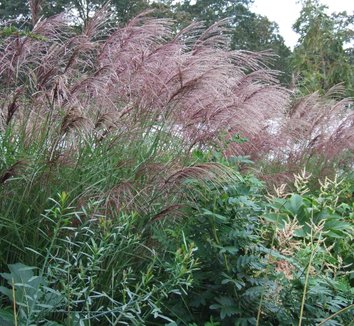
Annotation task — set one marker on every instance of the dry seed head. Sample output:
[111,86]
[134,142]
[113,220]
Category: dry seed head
[317,231]
[285,267]
[330,184]
[287,244]
[301,182]
[279,192]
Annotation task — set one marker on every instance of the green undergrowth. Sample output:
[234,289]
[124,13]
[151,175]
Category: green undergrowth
[142,233]
[283,259]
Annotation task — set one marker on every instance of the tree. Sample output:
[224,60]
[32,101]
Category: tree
[320,58]
[211,11]
[258,33]
[123,10]
[10,10]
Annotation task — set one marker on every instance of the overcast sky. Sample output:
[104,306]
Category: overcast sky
[285,13]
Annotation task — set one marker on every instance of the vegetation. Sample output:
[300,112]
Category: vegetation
[320,59]
[155,174]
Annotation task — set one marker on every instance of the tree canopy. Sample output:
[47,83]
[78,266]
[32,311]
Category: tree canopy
[124,10]
[320,58]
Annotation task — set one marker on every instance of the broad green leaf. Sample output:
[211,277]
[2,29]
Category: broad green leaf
[206,212]
[227,307]
[294,204]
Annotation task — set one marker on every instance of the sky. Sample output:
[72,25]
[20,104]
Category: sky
[285,13]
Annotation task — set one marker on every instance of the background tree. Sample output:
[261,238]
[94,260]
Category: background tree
[12,10]
[211,11]
[20,9]
[257,33]
[320,58]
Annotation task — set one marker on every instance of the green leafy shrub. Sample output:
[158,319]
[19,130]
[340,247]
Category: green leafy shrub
[315,230]
[232,275]
[283,260]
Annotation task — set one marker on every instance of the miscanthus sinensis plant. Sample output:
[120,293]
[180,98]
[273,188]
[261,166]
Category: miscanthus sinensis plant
[107,118]
[146,79]
[141,75]
[114,113]
[316,132]
[135,100]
